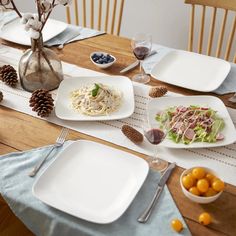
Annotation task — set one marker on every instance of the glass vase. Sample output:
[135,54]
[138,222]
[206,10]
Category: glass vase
[40,68]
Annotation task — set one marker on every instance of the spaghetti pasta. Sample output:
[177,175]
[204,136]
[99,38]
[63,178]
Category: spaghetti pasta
[96,99]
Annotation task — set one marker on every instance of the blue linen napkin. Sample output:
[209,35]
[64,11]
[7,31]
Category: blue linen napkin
[41,219]
[228,86]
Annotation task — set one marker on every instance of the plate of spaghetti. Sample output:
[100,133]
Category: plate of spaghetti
[95,98]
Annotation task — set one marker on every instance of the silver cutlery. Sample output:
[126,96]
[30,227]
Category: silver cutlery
[136,63]
[143,218]
[59,142]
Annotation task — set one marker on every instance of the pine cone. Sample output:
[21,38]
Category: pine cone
[1,96]
[8,75]
[42,102]
[134,135]
[157,91]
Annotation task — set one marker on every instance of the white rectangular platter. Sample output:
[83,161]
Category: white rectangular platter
[191,70]
[92,181]
[15,32]
[64,108]
[160,104]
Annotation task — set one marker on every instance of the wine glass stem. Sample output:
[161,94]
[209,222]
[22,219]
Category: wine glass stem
[141,67]
[155,158]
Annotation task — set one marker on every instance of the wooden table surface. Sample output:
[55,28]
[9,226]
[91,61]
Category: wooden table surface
[19,131]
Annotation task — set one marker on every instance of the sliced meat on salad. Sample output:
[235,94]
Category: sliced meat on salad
[191,124]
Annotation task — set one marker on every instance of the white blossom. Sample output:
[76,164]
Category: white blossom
[26,17]
[31,22]
[4,2]
[46,6]
[34,34]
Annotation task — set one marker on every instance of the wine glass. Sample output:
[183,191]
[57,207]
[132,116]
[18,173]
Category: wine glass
[155,133]
[141,44]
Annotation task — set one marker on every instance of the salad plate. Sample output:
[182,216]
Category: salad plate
[65,111]
[91,181]
[164,104]
[191,70]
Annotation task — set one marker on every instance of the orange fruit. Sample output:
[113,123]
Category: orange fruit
[194,190]
[205,218]
[210,192]
[210,177]
[202,185]
[218,185]
[187,181]
[176,225]
[198,172]
[194,179]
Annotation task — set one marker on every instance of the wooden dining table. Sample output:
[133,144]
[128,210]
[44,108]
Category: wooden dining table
[19,132]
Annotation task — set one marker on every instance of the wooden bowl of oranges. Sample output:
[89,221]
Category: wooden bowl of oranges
[201,184]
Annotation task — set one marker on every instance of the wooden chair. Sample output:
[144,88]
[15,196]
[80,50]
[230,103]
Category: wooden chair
[104,15]
[226,5]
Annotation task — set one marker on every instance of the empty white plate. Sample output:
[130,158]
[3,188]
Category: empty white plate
[191,70]
[63,107]
[15,32]
[92,181]
[160,104]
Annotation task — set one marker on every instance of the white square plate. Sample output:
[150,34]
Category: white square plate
[92,181]
[215,103]
[63,107]
[15,32]
[191,70]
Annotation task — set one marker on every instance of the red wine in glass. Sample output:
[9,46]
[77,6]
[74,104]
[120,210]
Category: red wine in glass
[155,136]
[141,45]
[141,52]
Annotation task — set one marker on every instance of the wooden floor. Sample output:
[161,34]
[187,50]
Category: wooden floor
[17,132]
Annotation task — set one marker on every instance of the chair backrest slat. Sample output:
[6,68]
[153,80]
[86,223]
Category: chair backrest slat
[235,58]
[68,18]
[76,12]
[100,15]
[120,16]
[230,40]
[212,30]
[108,14]
[191,29]
[222,33]
[225,4]
[201,35]
[217,6]
[92,14]
[113,17]
[84,13]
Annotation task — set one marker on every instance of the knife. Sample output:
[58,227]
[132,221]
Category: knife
[136,63]
[143,218]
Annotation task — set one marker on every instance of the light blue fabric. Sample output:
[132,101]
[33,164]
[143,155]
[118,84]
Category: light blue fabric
[228,86]
[43,220]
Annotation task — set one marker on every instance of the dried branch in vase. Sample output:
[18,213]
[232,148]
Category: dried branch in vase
[39,67]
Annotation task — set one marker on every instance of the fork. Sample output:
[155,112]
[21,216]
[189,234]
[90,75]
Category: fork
[59,142]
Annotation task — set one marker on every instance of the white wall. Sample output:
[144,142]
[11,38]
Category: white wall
[166,20]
